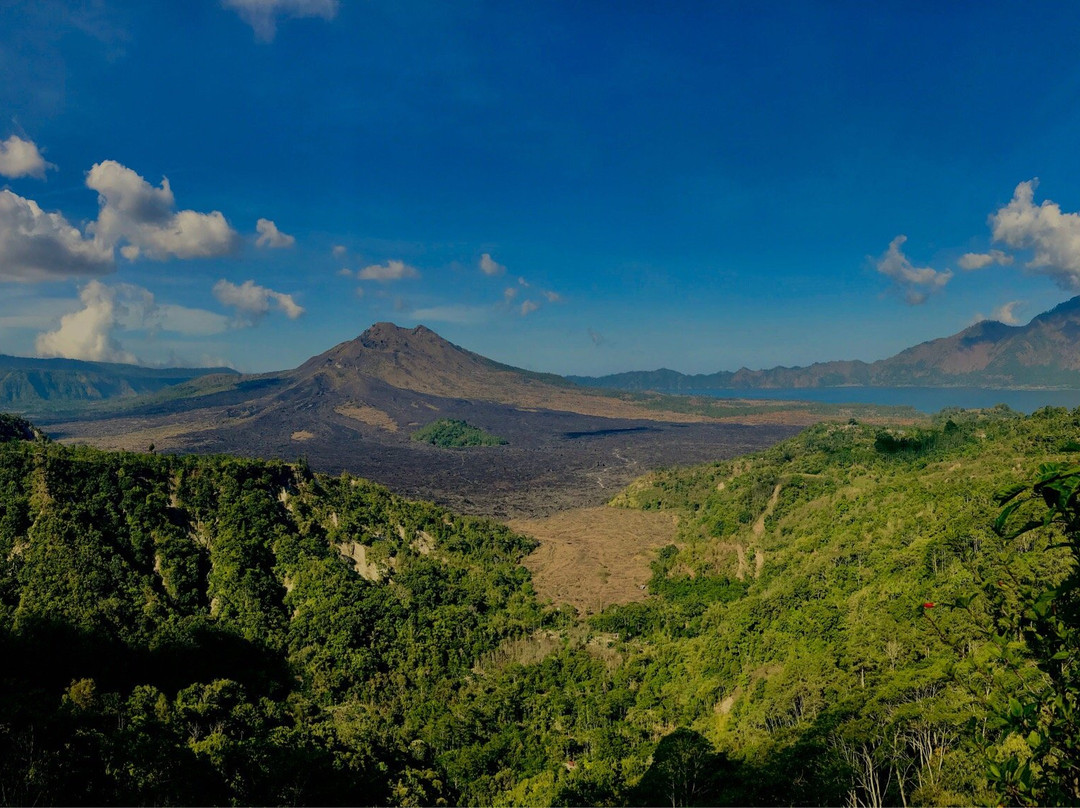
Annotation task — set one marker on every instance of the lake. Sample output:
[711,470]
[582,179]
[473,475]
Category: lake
[924,399]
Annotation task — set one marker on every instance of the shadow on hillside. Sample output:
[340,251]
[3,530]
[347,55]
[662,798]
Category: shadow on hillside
[48,654]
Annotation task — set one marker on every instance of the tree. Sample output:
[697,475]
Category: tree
[1039,720]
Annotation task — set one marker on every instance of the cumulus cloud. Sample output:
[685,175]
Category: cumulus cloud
[1006,312]
[339,250]
[915,283]
[509,293]
[253,302]
[1052,235]
[490,266]
[134,211]
[88,332]
[270,236]
[528,307]
[21,158]
[262,15]
[91,331]
[390,271]
[35,245]
[970,261]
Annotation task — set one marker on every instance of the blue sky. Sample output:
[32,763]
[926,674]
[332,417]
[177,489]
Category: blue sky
[570,187]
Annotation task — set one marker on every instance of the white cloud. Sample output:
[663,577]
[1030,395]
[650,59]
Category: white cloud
[134,211]
[339,250]
[970,261]
[509,293]
[523,282]
[390,271]
[253,302]
[462,315]
[21,158]
[527,307]
[270,236]
[345,272]
[553,297]
[262,15]
[88,332]
[490,267]
[35,245]
[1006,313]
[1054,236]
[916,283]
[187,321]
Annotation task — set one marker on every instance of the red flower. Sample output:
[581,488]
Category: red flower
[928,605]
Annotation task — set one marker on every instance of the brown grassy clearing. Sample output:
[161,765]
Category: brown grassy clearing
[366,414]
[594,557]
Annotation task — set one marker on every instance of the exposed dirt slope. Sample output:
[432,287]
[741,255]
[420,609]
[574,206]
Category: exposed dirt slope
[594,557]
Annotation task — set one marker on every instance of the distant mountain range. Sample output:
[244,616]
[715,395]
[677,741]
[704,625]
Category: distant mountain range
[34,384]
[1043,353]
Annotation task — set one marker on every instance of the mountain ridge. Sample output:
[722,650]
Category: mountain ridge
[31,382]
[1045,353]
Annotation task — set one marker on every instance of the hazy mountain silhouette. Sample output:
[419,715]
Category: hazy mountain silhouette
[1043,353]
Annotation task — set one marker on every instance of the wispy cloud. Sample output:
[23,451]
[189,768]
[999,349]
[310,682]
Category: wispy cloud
[262,15]
[458,314]
[390,271]
[972,261]
[528,307]
[916,284]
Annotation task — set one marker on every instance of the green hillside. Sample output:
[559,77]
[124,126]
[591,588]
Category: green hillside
[31,384]
[213,630]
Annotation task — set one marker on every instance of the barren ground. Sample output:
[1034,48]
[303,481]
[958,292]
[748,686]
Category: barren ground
[594,557]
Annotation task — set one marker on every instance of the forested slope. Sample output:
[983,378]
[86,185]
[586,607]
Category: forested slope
[210,630]
[790,627]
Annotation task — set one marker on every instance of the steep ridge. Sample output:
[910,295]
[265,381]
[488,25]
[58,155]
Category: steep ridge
[30,383]
[1043,353]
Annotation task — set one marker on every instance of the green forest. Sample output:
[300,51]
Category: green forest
[860,615]
[453,434]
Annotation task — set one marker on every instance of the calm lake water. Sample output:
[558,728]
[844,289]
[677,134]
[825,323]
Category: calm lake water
[924,399]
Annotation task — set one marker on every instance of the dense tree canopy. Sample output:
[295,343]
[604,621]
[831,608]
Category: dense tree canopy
[453,434]
[213,630]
